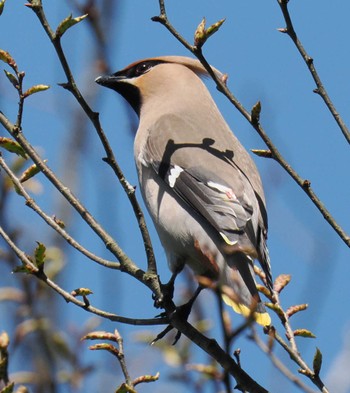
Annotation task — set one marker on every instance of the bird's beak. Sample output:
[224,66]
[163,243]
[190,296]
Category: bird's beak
[108,80]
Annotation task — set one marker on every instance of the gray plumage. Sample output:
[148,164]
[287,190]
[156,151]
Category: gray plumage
[201,187]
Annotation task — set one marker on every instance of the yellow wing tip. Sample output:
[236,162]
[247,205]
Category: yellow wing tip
[262,319]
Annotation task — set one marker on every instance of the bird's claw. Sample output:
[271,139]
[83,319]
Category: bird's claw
[167,291]
[183,312]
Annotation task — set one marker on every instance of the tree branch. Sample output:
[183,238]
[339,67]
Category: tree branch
[127,265]
[279,365]
[94,118]
[212,348]
[51,222]
[32,269]
[309,61]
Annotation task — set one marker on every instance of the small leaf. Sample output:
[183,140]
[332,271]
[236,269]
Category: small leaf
[214,27]
[255,113]
[281,282]
[30,172]
[39,255]
[259,272]
[24,269]
[67,23]
[276,308]
[81,292]
[2,3]
[262,153]
[35,89]
[20,269]
[303,333]
[12,79]
[146,379]
[202,34]
[100,335]
[199,34]
[7,58]
[262,289]
[8,388]
[59,222]
[294,309]
[317,362]
[33,4]
[12,146]
[107,347]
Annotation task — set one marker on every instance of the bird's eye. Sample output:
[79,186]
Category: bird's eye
[142,68]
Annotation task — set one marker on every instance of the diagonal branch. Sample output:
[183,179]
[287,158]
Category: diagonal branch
[279,365]
[69,298]
[245,382]
[52,223]
[127,265]
[94,118]
[309,61]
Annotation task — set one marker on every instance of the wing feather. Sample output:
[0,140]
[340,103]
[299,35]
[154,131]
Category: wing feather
[204,174]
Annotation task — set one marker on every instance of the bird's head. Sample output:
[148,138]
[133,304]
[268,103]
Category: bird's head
[157,76]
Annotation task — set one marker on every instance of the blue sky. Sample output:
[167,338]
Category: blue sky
[262,64]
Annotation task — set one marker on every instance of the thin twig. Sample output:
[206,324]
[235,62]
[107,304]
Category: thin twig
[121,357]
[290,334]
[212,348]
[127,264]
[30,202]
[309,61]
[279,365]
[70,298]
[276,155]
[295,356]
[292,348]
[94,118]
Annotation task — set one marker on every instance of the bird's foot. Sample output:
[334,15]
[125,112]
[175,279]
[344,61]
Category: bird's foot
[167,290]
[182,312]
[167,294]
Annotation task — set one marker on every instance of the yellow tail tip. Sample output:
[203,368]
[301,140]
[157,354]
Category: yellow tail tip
[262,319]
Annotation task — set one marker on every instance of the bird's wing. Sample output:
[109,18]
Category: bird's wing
[203,173]
[210,196]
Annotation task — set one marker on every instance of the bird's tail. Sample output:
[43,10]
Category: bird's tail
[241,293]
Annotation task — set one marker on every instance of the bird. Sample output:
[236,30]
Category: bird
[200,185]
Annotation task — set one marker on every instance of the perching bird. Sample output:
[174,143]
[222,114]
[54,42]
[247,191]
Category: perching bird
[201,187]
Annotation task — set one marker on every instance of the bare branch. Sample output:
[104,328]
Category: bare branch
[279,365]
[127,264]
[292,348]
[211,347]
[52,223]
[94,118]
[70,298]
[309,61]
